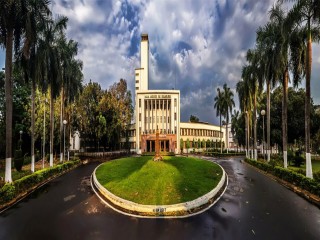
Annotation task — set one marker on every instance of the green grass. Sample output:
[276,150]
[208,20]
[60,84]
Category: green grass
[315,166]
[173,180]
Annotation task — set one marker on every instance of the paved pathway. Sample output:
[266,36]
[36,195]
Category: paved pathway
[253,207]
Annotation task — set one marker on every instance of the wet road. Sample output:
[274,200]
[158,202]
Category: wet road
[253,207]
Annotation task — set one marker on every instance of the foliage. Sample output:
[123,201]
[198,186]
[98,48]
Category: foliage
[12,190]
[293,177]
[193,119]
[173,180]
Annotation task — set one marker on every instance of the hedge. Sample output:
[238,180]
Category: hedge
[293,177]
[11,190]
[218,154]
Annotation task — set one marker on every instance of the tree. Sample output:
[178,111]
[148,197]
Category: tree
[181,145]
[228,104]
[218,105]
[49,62]
[193,119]
[188,145]
[307,13]
[14,22]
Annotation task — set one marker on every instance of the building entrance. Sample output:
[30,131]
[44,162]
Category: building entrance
[163,144]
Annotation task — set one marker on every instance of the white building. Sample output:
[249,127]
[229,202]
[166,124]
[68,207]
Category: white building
[160,109]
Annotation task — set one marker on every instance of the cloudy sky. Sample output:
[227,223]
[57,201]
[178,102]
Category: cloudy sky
[195,46]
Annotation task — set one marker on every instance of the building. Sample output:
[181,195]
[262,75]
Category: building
[160,109]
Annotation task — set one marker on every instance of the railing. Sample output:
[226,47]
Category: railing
[102,155]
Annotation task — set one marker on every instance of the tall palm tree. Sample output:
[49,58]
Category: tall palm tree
[283,27]
[49,62]
[219,106]
[266,44]
[228,104]
[68,50]
[252,72]
[307,13]
[14,23]
[245,101]
[28,55]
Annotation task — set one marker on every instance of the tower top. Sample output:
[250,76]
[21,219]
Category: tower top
[144,37]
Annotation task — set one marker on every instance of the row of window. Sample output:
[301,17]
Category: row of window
[200,132]
[157,104]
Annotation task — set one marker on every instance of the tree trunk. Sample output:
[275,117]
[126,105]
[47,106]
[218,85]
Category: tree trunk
[51,126]
[8,94]
[268,120]
[255,125]
[33,89]
[220,136]
[227,133]
[61,123]
[285,117]
[307,105]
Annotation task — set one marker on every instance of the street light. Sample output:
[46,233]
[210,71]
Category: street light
[64,137]
[263,112]
[20,138]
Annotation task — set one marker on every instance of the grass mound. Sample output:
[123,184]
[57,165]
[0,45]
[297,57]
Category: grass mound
[173,180]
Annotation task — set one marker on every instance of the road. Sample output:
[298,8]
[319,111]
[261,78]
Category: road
[253,207]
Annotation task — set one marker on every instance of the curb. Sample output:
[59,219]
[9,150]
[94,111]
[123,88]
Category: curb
[180,210]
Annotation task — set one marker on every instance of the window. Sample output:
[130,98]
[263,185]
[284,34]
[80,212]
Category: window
[175,102]
[137,81]
[139,102]
[137,74]
[139,116]
[175,116]
[137,88]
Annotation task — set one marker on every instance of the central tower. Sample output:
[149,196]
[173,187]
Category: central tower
[142,73]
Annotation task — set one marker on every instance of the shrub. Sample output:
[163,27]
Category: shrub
[316,176]
[7,192]
[18,160]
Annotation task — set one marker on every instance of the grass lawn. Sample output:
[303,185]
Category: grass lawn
[173,180]
[315,166]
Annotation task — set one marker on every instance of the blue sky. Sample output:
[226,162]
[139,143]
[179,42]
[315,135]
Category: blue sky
[195,46]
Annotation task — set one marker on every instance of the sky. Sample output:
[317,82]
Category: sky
[195,46]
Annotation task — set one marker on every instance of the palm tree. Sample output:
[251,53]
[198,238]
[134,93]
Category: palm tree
[252,73]
[228,104]
[283,27]
[218,105]
[268,49]
[307,13]
[28,59]
[14,23]
[68,50]
[245,100]
[49,62]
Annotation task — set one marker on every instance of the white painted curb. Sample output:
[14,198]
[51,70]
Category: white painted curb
[180,210]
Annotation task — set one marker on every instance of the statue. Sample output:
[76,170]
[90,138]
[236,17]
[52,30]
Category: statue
[157,156]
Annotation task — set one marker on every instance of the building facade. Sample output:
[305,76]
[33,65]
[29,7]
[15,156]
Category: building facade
[160,109]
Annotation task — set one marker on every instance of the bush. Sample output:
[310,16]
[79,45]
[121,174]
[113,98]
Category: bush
[18,160]
[316,176]
[24,184]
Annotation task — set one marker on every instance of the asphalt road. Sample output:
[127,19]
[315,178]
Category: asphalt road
[253,207]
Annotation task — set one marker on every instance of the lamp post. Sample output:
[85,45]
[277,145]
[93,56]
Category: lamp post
[20,138]
[64,137]
[263,112]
